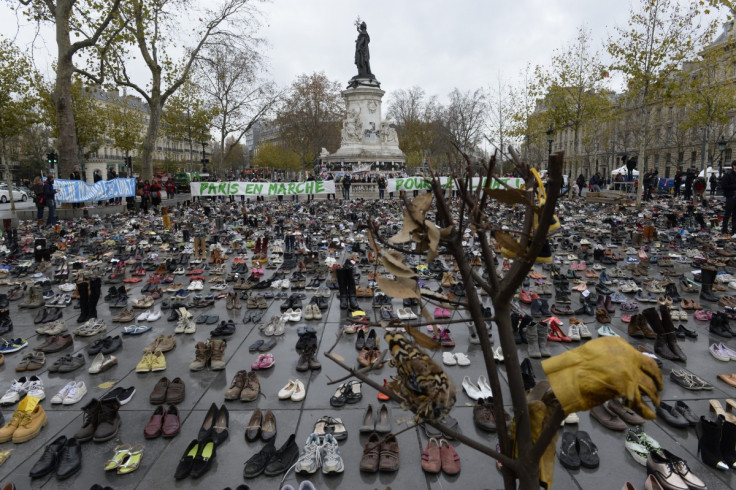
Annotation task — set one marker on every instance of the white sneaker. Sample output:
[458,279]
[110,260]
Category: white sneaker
[61,395]
[574,333]
[584,332]
[78,390]
[154,315]
[143,317]
[331,459]
[34,388]
[15,392]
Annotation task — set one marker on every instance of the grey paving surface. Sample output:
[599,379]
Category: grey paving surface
[206,387]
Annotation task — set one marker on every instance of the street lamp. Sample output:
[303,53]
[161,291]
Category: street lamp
[550,138]
[204,160]
[721,148]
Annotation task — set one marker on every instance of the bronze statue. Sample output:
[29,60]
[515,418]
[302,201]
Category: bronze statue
[362,54]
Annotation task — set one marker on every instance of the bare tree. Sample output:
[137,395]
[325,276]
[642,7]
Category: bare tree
[153,27]
[500,112]
[465,117]
[233,80]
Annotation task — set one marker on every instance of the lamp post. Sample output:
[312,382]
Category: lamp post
[550,138]
[721,148]
[204,160]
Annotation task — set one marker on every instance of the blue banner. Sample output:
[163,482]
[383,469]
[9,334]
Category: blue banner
[80,191]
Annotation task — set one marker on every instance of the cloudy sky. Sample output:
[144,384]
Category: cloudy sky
[435,44]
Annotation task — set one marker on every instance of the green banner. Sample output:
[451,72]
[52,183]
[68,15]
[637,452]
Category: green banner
[262,188]
[419,183]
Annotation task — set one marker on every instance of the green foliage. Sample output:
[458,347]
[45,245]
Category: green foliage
[418,126]
[18,95]
[187,115]
[270,155]
[125,123]
[309,118]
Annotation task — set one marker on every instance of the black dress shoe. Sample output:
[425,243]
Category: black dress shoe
[96,346]
[257,463]
[221,427]
[70,459]
[360,340]
[49,458]
[209,422]
[671,416]
[283,458]
[253,430]
[527,374]
[204,458]
[687,414]
[184,468]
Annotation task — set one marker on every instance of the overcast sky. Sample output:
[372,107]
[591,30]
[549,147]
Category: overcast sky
[435,44]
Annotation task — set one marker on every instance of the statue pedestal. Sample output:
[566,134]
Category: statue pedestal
[367,144]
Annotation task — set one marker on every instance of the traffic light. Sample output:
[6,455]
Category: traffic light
[52,158]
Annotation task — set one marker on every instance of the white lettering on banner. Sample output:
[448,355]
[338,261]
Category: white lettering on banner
[262,188]
[420,183]
[80,191]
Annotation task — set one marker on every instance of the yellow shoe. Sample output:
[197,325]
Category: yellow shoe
[145,365]
[158,361]
[6,433]
[30,425]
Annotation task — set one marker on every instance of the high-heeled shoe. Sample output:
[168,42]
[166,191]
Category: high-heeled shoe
[709,442]
[220,428]
[209,422]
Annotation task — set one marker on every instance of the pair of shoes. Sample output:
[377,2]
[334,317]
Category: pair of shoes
[577,449]
[671,472]
[216,425]
[126,459]
[31,362]
[21,387]
[380,454]
[476,392]
[107,345]
[163,422]
[122,395]
[151,362]
[245,387]
[70,394]
[349,392]
[440,456]
[102,363]
[261,426]
[320,451]
[271,461]
[163,343]
[167,392]
[26,423]
[100,421]
[197,459]
[380,423]
[483,415]
[294,391]
[63,457]
[211,352]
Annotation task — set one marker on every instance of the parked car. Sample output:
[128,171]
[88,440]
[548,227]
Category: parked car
[18,195]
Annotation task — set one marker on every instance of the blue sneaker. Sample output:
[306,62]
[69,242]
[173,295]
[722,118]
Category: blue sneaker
[12,345]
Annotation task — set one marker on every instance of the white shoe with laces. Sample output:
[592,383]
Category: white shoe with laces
[77,391]
[584,332]
[331,459]
[61,395]
[309,459]
[34,388]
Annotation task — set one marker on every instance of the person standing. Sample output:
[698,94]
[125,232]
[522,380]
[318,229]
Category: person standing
[49,197]
[689,179]
[346,181]
[381,186]
[728,185]
[713,184]
[96,177]
[678,182]
[331,177]
[156,195]
[580,181]
[111,174]
[40,200]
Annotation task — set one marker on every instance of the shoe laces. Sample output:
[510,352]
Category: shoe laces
[330,453]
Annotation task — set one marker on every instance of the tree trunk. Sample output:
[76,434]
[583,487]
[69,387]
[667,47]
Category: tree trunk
[149,143]
[62,96]
[8,178]
[640,167]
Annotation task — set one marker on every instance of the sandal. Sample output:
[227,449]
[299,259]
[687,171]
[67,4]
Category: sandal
[132,461]
[121,452]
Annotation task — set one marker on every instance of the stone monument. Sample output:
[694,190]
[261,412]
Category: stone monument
[367,143]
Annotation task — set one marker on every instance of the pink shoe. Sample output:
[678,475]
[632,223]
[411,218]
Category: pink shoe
[438,313]
[702,315]
[264,361]
[445,338]
[446,313]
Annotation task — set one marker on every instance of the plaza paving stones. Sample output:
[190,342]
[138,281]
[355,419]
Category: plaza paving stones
[203,388]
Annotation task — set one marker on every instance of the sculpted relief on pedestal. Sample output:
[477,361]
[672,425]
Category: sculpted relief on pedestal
[352,128]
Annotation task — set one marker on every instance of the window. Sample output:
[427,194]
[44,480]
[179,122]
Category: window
[726,156]
[681,157]
[693,157]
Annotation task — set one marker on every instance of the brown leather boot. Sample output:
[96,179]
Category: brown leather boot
[217,359]
[635,328]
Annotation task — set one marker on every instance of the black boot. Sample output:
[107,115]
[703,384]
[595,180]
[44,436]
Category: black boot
[122,296]
[728,444]
[112,295]
[709,442]
[352,295]
[671,335]
[95,289]
[671,291]
[185,236]
[6,324]
[707,277]
[83,288]
[661,346]
[342,283]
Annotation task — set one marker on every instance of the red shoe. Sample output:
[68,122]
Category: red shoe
[558,332]
[524,297]
[381,396]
